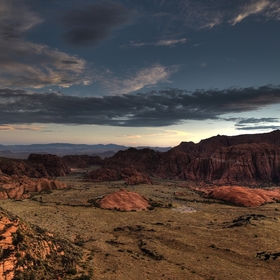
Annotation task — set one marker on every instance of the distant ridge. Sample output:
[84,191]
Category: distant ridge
[62,149]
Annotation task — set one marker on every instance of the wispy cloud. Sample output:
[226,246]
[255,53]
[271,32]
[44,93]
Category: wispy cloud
[21,127]
[256,7]
[153,109]
[144,77]
[160,43]
[210,13]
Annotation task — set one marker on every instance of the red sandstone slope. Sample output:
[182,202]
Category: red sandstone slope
[124,200]
[244,196]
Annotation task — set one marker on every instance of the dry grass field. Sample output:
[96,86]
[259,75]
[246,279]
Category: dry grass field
[190,238]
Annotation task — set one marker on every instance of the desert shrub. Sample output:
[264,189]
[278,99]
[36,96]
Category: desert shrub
[83,277]
[17,237]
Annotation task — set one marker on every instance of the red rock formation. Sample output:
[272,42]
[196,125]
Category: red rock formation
[104,174]
[20,168]
[124,200]
[246,164]
[16,187]
[130,175]
[24,251]
[8,259]
[81,161]
[134,177]
[243,196]
[52,163]
[143,160]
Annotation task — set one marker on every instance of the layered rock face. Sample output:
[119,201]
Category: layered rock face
[52,163]
[247,164]
[222,160]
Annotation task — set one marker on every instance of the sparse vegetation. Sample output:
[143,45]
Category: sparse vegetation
[165,241]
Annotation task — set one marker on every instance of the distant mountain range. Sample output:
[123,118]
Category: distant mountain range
[62,149]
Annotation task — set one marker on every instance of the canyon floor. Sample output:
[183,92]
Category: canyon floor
[185,236]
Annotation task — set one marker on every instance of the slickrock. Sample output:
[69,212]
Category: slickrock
[243,196]
[124,200]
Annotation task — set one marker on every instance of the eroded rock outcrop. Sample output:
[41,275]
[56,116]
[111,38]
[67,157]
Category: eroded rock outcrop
[20,187]
[124,200]
[28,252]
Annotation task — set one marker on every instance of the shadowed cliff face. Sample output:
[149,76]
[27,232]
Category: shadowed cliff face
[130,175]
[52,163]
[81,161]
[36,166]
[222,160]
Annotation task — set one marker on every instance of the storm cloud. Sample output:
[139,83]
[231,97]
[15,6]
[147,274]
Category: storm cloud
[156,108]
[93,23]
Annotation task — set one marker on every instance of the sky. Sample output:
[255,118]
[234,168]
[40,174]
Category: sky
[137,73]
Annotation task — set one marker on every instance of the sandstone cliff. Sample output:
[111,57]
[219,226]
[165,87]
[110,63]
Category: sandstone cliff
[222,160]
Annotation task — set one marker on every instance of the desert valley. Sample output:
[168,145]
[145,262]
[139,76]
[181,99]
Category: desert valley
[195,211]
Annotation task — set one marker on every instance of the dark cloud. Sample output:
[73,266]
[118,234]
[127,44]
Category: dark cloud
[162,108]
[260,127]
[257,120]
[93,23]
[255,123]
